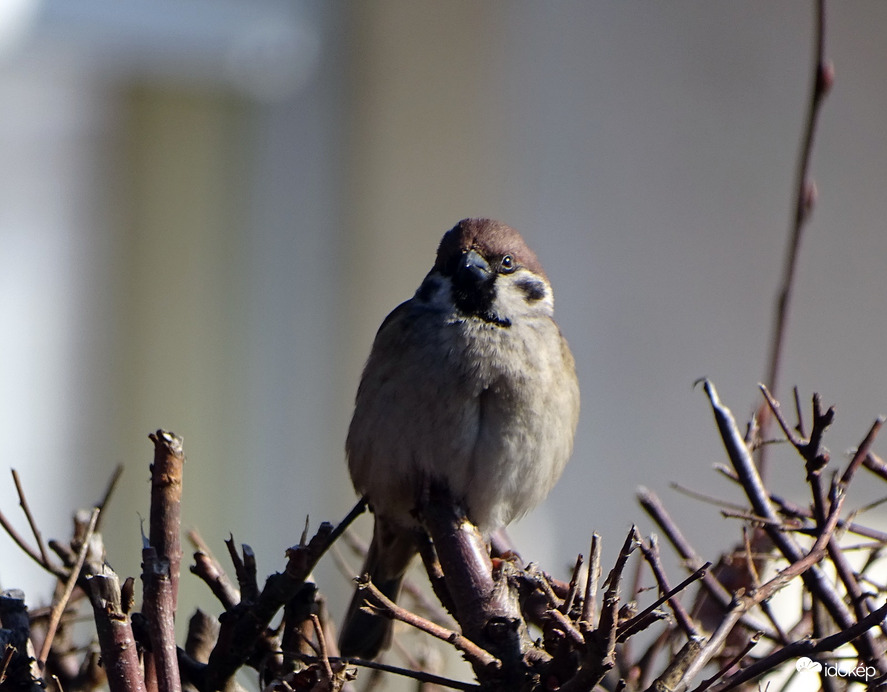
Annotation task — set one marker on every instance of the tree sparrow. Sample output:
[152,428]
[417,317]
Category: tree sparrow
[469,384]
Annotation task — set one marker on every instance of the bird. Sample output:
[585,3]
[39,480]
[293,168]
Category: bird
[469,385]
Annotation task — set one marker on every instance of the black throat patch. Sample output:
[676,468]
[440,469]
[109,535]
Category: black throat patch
[475,299]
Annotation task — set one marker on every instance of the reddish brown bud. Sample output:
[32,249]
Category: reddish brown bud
[826,77]
[810,195]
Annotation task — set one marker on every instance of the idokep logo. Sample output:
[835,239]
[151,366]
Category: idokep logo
[805,664]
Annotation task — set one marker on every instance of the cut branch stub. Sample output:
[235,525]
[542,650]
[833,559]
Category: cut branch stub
[166,501]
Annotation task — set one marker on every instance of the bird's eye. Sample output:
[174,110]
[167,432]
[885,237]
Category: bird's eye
[507,265]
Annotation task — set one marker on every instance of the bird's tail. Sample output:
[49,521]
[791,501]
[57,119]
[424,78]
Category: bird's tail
[364,634]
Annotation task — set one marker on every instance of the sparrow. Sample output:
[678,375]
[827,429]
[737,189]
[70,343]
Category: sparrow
[469,385]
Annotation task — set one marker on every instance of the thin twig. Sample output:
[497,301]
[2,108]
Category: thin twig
[210,570]
[804,199]
[478,657]
[876,465]
[567,605]
[106,496]
[59,608]
[792,510]
[677,673]
[805,647]
[862,452]
[599,656]
[708,499]
[816,581]
[17,538]
[323,654]
[628,628]
[810,449]
[247,625]
[573,634]
[800,415]
[420,676]
[745,602]
[358,509]
[651,553]
[23,502]
[762,521]
[705,684]
[750,558]
[654,507]
[535,576]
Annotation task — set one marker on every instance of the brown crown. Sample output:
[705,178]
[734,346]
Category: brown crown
[491,239]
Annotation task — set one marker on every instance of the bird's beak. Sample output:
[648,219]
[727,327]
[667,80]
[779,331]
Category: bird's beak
[473,269]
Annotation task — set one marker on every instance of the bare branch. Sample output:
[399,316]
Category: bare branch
[70,583]
[166,501]
[17,538]
[106,496]
[862,452]
[651,553]
[23,503]
[119,654]
[567,605]
[159,610]
[210,571]
[600,646]
[478,657]
[804,647]
[242,630]
[420,676]
[804,199]
[816,581]
[591,585]
[654,507]
[705,684]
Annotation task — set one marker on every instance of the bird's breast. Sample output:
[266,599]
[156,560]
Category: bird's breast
[478,407]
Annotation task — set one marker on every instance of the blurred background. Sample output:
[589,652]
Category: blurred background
[207,207]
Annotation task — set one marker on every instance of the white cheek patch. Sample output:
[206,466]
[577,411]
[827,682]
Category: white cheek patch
[523,294]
